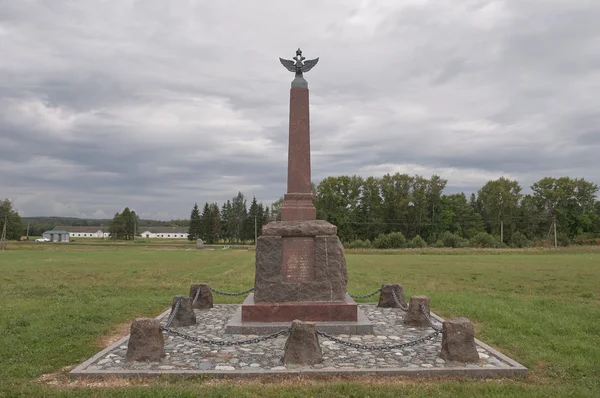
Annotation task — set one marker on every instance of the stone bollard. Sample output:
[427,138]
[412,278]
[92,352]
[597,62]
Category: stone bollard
[386,299]
[185,315]
[146,342]
[199,244]
[205,299]
[302,346]
[458,341]
[414,316]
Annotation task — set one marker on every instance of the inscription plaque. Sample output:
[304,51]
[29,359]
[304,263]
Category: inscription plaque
[298,260]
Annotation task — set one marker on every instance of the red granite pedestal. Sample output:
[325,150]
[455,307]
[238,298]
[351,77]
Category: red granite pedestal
[346,310]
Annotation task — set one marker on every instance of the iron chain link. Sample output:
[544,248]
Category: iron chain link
[196,296]
[172,314]
[356,296]
[224,342]
[379,347]
[397,300]
[231,294]
[433,326]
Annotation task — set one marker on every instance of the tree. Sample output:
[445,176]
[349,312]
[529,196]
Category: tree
[338,200]
[123,225]
[226,233]
[117,228]
[456,215]
[206,231]
[194,229]
[571,202]
[215,217]
[130,219]
[236,217]
[250,221]
[14,225]
[500,201]
[276,211]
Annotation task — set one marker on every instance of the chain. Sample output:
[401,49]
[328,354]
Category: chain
[433,326]
[397,300]
[172,314]
[379,347]
[226,343]
[231,294]
[196,296]
[356,296]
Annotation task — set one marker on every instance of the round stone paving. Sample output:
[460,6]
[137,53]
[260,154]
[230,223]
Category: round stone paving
[182,354]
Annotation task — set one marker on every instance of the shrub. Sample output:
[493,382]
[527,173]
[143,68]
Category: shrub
[417,242]
[438,244]
[519,239]
[452,240]
[382,242]
[358,244]
[486,240]
[396,240]
[563,240]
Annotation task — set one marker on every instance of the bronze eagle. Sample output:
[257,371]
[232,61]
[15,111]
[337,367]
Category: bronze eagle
[297,63]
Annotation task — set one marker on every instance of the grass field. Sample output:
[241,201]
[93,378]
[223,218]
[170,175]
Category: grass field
[59,304]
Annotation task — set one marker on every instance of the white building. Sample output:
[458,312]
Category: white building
[143,232]
[85,232]
[164,232]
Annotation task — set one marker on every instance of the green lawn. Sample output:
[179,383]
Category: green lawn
[540,307]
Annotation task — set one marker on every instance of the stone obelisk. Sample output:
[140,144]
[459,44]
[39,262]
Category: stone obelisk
[300,265]
[298,201]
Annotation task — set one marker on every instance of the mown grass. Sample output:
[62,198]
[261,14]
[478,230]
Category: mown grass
[541,307]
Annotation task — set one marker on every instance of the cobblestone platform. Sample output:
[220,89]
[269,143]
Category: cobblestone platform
[184,357]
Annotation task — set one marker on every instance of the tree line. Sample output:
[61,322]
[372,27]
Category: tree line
[365,209]
[232,222]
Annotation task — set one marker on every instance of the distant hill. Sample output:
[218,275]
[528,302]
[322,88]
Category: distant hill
[37,225]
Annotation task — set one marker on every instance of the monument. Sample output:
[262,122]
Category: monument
[300,266]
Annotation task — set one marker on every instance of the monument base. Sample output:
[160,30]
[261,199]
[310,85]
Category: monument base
[298,207]
[360,326]
[346,310]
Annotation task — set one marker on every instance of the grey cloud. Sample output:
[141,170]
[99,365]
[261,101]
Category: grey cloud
[156,104]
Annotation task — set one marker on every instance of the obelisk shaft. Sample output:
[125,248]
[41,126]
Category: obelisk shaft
[297,203]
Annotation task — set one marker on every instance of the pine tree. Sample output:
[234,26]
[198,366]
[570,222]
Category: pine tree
[260,219]
[226,232]
[250,220]
[206,225]
[215,217]
[195,223]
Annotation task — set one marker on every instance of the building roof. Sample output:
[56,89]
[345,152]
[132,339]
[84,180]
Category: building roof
[164,230]
[56,231]
[88,229]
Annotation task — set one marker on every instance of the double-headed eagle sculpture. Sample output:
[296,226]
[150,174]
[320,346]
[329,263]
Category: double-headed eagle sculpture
[297,64]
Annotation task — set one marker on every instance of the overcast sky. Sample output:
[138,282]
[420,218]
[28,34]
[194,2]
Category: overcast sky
[156,104]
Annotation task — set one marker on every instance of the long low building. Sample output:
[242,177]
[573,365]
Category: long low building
[143,232]
[164,232]
[85,232]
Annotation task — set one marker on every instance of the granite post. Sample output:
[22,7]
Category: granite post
[146,342]
[302,346]
[386,298]
[205,296]
[185,315]
[458,341]
[414,316]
